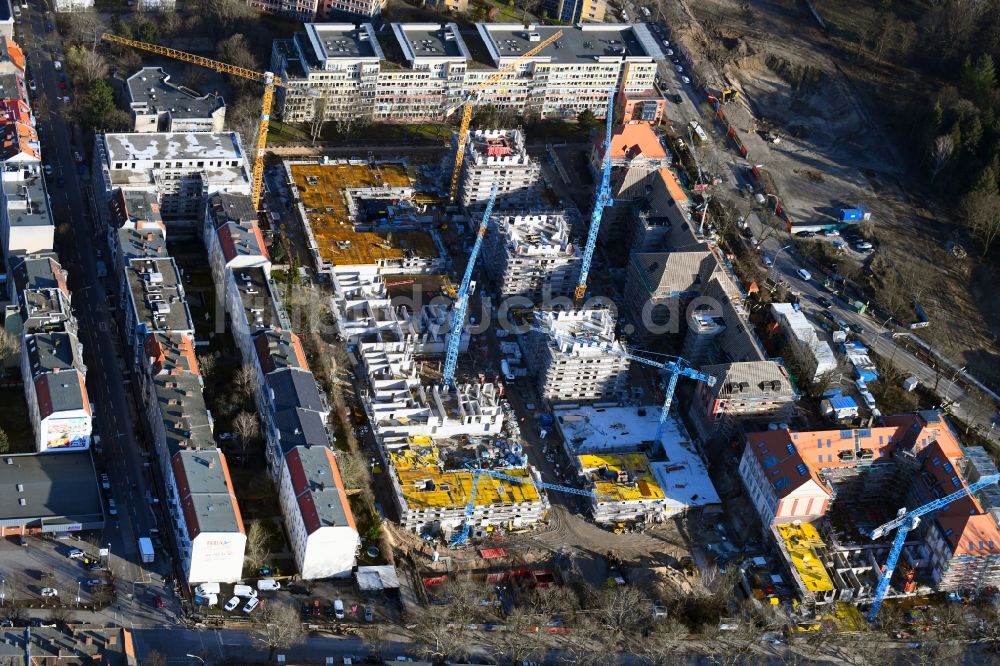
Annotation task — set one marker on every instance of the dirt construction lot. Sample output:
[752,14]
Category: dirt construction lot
[833,154]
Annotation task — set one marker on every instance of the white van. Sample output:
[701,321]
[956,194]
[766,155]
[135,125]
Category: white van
[57,65]
[206,589]
[268,584]
[244,591]
[338,609]
[804,274]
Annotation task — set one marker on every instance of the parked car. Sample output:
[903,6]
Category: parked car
[94,582]
[50,592]
[251,605]
[806,234]
[679,68]
[685,79]
[158,601]
[105,479]
[317,608]
[858,329]
[863,246]
[232,604]
[112,508]
[831,232]
[824,301]
[95,566]
[369,614]
[804,274]
[75,554]
[338,608]
[297,589]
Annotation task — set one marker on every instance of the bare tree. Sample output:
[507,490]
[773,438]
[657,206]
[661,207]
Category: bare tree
[243,116]
[622,610]
[277,626]
[354,471]
[941,152]
[245,380]
[981,213]
[81,27]
[235,50]
[521,639]
[441,637]
[206,363]
[86,66]
[666,640]
[257,549]
[246,428]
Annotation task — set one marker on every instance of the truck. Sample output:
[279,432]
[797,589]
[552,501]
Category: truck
[146,549]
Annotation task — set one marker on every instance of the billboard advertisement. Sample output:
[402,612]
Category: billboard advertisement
[68,433]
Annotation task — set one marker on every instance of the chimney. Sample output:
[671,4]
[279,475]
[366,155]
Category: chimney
[88,639]
[112,639]
[211,463]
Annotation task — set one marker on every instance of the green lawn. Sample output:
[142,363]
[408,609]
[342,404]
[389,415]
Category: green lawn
[15,422]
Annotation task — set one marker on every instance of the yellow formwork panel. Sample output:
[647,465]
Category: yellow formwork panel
[799,542]
[426,486]
[641,486]
[322,191]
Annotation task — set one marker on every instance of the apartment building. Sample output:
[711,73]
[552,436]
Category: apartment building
[637,155]
[797,477]
[421,72]
[498,159]
[180,168]
[454,6]
[531,256]
[816,357]
[572,12]
[309,10]
[659,286]
[157,105]
[744,391]
[321,527]
[566,370]
[135,229]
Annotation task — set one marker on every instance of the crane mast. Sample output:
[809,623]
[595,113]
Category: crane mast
[601,200]
[462,304]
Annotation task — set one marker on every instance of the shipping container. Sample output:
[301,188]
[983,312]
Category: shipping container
[851,214]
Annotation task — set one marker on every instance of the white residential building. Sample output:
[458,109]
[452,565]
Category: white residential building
[531,256]
[421,71]
[498,158]
[570,371]
[210,535]
[320,524]
[181,168]
[160,106]
[27,219]
[56,391]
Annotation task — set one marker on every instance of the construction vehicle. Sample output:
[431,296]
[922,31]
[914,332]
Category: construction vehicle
[601,201]
[462,535]
[677,368]
[903,523]
[464,291]
[471,99]
[268,79]
[730,95]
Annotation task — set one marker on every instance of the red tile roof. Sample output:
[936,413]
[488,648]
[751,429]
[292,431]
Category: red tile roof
[630,141]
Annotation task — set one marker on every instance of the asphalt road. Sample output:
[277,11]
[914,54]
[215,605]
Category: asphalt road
[107,376]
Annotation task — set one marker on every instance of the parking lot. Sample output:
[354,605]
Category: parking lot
[44,563]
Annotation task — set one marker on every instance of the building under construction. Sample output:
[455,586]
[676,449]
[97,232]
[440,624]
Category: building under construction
[531,256]
[498,158]
[359,213]
[569,371]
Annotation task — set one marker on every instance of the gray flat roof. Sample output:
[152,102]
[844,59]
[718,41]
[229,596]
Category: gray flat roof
[277,350]
[37,272]
[173,146]
[255,295]
[158,295]
[145,244]
[430,40]
[225,207]
[150,88]
[27,202]
[49,351]
[179,394]
[56,488]
[576,44]
[342,40]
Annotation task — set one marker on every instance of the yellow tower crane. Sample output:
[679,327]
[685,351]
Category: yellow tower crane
[267,78]
[471,100]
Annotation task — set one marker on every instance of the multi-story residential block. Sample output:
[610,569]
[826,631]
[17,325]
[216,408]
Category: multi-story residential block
[154,292]
[320,525]
[6,20]
[637,155]
[802,477]
[660,285]
[135,228]
[531,256]
[210,535]
[157,105]
[572,12]
[181,168]
[498,159]
[308,10]
[55,387]
[412,72]
[569,371]
[27,219]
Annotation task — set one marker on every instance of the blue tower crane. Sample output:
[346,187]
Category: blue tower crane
[462,302]
[903,523]
[463,535]
[677,368]
[602,200]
